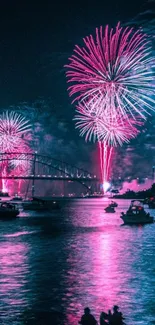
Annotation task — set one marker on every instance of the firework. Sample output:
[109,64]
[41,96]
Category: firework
[105,158]
[111,78]
[99,127]
[20,164]
[107,131]
[13,128]
[114,69]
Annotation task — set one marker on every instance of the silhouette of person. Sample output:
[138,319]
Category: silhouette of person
[117,317]
[103,318]
[87,318]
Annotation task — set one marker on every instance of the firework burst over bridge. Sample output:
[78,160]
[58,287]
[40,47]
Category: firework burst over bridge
[111,79]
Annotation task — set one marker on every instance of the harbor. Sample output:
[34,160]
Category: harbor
[77,162]
[54,264]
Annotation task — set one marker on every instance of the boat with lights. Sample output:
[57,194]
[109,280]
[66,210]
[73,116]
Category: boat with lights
[8,210]
[136,214]
[17,198]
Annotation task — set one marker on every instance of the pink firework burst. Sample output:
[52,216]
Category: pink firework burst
[111,78]
[13,127]
[104,128]
[115,68]
[108,131]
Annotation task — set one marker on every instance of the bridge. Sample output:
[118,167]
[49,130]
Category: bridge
[33,166]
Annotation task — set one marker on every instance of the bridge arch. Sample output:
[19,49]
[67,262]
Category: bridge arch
[55,169]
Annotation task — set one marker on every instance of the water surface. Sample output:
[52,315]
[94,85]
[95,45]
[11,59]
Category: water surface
[54,265]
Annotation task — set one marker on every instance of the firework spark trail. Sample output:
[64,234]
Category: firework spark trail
[4,181]
[105,163]
[101,161]
[105,159]
[115,135]
[13,128]
[108,160]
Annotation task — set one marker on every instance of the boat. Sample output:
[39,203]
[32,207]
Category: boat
[150,202]
[34,204]
[113,204]
[17,198]
[4,194]
[136,214]
[8,210]
[109,209]
[54,205]
[146,200]
[93,196]
[37,204]
[151,205]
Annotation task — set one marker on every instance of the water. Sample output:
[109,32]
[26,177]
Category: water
[51,266]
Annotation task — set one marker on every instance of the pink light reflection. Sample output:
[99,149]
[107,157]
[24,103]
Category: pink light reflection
[4,181]
[13,270]
[98,273]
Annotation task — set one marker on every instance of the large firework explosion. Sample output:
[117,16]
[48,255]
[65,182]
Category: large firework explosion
[13,128]
[112,81]
[116,69]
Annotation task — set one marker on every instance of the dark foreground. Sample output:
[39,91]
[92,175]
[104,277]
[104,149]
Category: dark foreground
[54,265]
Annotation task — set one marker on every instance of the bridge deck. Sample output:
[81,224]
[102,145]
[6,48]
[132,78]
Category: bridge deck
[57,178]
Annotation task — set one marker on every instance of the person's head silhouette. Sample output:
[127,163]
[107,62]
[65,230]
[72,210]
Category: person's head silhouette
[87,310]
[115,308]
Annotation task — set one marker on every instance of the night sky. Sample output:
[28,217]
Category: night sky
[35,43]
[36,40]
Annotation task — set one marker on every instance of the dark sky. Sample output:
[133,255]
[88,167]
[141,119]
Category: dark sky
[36,40]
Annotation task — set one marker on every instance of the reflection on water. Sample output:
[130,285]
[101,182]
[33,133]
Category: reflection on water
[53,266]
[13,279]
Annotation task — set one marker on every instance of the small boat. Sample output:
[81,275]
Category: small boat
[113,204]
[54,205]
[109,209]
[37,204]
[4,194]
[146,200]
[8,210]
[34,204]
[150,202]
[136,214]
[17,198]
[151,205]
